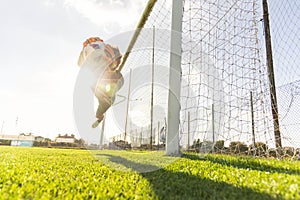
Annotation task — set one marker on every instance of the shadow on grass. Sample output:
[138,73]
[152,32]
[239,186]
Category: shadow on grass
[178,185]
[244,164]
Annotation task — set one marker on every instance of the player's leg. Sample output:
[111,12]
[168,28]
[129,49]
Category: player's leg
[104,104]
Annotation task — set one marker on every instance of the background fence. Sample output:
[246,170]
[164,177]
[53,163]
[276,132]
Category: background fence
[225,88]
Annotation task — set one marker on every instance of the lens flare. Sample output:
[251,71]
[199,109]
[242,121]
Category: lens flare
[107,87]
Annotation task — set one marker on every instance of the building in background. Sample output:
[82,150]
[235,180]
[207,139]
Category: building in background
[39,138]
[25,140]
[65,138]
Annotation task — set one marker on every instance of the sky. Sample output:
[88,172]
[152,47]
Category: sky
[40,44]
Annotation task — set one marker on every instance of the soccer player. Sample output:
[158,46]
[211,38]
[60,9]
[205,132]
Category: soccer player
[102,60]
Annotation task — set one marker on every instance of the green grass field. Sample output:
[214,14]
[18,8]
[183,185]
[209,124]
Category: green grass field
[41,173]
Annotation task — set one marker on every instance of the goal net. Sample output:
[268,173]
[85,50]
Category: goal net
[225,96]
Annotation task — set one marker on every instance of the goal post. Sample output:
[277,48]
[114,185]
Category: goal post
[172,145]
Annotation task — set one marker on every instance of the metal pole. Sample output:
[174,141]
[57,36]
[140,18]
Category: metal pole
[213,122]
[127,109]
[213,126]
[148,133]
[152,88]
[172,146]
[130,135]
[271,75]
[140,25]
[141,137]
[189,121]
[102,133]
[158,130]
[136,137]
[253,125]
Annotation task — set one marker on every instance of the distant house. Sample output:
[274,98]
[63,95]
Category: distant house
[18,140]
[39,138]
[65,138]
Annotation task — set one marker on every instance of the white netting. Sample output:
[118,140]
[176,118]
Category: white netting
[140,61]
[285,34]
[223,66]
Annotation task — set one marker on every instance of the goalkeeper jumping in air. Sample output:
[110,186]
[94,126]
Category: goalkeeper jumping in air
[102,60]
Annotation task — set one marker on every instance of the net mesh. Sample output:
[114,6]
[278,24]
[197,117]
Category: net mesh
[222,66]
[285,34]
[225,97]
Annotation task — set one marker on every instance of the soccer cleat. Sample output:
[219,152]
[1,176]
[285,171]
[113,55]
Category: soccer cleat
[96,123]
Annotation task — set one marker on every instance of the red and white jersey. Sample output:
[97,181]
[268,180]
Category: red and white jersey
[96,53]
[99,61]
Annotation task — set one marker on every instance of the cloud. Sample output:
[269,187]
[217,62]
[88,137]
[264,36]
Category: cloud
[112,15]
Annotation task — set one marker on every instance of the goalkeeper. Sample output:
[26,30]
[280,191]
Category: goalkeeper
[102,61]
